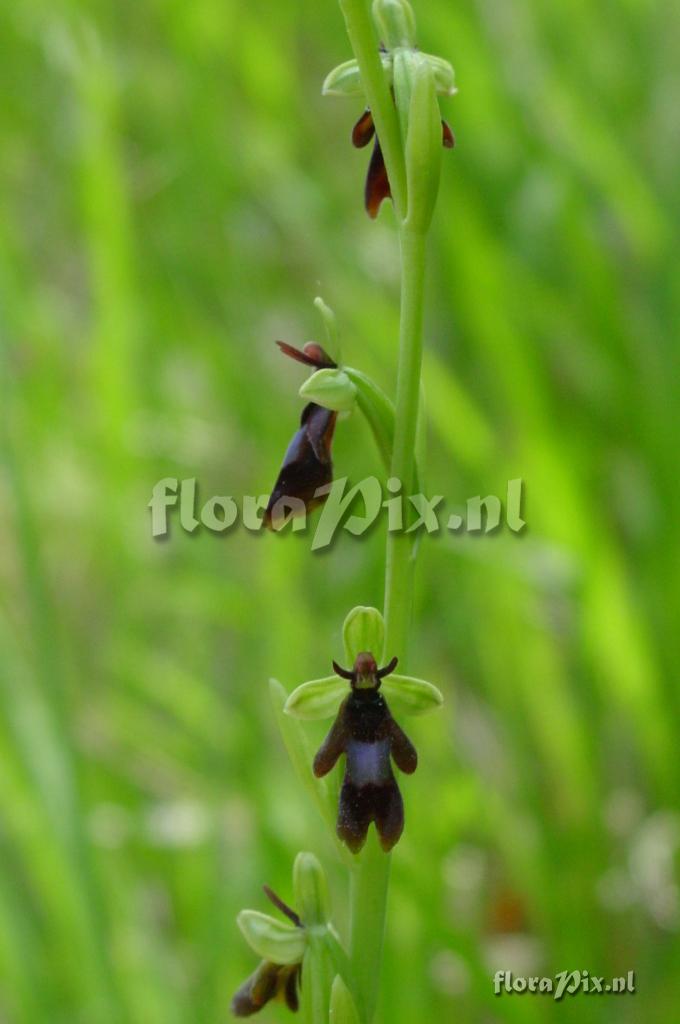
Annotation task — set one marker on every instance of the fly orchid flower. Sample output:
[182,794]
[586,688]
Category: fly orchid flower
[396,25]
[307,465]
[365,731]
[271,979]
[377,185]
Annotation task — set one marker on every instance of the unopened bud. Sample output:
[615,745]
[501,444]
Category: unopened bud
[311,890]
[396,23]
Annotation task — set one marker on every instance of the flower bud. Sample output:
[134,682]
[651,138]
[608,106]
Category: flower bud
[363,630]
[330,325]
[319,698]
[396,23]
[311,890]
[331,389]
[271,939]
[410,696]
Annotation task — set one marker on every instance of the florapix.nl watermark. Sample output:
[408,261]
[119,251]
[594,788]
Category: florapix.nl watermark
[352,508]
[565,983]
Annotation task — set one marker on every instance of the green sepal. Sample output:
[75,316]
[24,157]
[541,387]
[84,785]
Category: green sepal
[404,64]
[409,696]
[378,410]
[330,388]
[423,150]
[318,698]
[345,79]
[311,891]
[343,1010]
[271,939]
[444,75]
[363,630]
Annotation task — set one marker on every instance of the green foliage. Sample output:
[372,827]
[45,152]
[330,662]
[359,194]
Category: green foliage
[175,190]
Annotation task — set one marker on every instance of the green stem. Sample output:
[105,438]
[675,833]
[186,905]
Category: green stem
[371,872]
[365,44]
[370,878]
[400,560]
[368,903]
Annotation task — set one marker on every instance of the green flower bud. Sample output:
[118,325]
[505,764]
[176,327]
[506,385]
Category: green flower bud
[271,939]
[423,149]
[319,698]
[331,389]
[363,630]
[343,1010]
[311,890]
[396,23]
[410,696]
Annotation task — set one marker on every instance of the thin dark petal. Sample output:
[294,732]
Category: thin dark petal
[448,138]
[388,668]
[311,354]
[344,673]
[333,746]
[280,905]
[363,130]
[377,184]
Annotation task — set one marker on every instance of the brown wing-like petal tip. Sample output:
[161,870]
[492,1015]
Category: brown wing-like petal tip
[448,138]
[377,183]
[363,130]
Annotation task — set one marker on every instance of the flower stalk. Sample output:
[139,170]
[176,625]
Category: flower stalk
[400,85]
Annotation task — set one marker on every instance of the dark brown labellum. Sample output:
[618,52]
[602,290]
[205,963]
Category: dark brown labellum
[366,733]
[269,981]
[307,466]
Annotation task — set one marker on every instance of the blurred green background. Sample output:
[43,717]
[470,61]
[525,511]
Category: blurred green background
[175,192]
